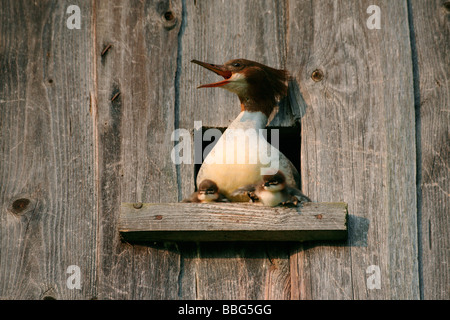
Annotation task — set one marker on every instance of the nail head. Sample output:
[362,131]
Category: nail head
[106,49]
[115,96]
[317,75]
[138,205]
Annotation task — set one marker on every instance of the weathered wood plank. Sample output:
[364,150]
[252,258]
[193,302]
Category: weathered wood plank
[255,34]
[217,31]
[432,107]
[134,132]
[232,222]
[358,143]
[47,187]
[81,132]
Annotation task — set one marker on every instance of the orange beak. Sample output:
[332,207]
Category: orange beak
[218,69]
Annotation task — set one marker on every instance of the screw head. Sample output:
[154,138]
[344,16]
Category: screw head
[137,205]
[317,75]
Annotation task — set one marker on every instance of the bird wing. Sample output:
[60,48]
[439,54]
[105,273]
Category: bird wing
[295,174]
[243,190]
[222,198]
[289,170]
[298,194]
[193,198]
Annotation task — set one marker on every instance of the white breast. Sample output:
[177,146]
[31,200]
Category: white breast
[208,197]
[271,199]
[235,161]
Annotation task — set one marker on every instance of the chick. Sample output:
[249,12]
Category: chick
[207,192]
[272,191]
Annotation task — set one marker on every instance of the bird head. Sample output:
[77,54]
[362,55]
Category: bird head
[274,182]
[258,87]
[208,190]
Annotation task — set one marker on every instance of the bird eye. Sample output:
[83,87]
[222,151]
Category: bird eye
[236,64]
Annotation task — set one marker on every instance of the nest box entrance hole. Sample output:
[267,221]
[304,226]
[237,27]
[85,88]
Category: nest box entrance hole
[289,145]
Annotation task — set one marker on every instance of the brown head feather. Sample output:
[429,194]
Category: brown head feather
[266,85]
[208,185]
[278,177]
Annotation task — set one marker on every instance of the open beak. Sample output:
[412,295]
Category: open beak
[218,69]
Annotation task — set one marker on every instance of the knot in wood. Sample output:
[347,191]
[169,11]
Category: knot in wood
[169,20]
[19,206]
[169,16]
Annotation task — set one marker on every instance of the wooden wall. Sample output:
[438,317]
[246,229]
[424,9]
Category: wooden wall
[86,117]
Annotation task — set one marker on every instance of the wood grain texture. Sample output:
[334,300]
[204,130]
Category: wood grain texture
[232,222]
[358,143]
[215,32]
[255,33]
[136,116]
[46,152]
[432,107]
[86,118]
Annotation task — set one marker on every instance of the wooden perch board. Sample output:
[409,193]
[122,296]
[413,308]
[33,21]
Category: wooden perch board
[232,222]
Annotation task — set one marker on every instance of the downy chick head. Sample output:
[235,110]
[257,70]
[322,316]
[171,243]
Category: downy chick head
[274,182]
[208,191]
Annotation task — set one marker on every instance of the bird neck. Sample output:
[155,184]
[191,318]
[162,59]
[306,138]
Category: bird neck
[252,104]
[249,119]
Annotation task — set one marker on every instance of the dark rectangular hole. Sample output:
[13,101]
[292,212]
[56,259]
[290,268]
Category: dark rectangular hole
[289,145]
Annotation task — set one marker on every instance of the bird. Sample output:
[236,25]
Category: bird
[258,88]
[207,192]
[272,191]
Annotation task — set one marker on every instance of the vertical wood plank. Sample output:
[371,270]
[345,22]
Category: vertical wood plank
[431,35]
[82,131]
[136,116]
[234,271]
[217,31]
[47,186]
[358,146]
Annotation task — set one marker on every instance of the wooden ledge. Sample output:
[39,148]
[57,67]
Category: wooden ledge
[232,222]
